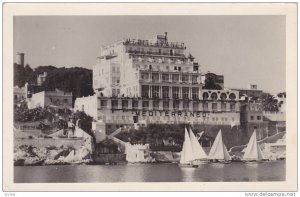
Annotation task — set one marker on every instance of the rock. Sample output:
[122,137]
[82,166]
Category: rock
[33,161]
[19,162]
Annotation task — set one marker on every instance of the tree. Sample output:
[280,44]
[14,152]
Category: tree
[211,85]
[269,102]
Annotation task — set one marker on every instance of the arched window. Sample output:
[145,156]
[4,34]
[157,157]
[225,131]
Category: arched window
[232,96]
[223,96]
[214,96]
[205,95]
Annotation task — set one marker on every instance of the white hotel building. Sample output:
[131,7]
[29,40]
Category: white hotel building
[154,81]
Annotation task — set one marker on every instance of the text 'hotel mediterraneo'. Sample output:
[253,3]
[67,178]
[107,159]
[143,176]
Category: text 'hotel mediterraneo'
[154,81]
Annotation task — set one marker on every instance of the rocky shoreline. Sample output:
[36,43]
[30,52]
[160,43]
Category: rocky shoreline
[25,155]
[50,155]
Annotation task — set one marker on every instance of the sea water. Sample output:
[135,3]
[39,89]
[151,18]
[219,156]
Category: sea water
[214,172]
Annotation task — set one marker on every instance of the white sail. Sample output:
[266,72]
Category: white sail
[187,155]
[253,151]
[218,149]
[197,149]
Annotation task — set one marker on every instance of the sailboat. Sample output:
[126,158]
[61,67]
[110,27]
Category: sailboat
[253,152]
[187,154]
[200,156]
[218,151]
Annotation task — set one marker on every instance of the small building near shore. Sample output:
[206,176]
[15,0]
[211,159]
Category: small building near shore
[137,153]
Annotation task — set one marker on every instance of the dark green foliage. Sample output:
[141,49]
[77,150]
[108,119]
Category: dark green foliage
[154,135]
[269,102]
[211,85]
[76,80]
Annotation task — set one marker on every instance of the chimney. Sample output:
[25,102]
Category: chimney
[166,35]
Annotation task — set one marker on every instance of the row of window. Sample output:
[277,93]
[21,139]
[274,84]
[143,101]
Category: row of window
[166,105]
[166,92]
[257,117]
[150,50]
[185,93]
[216,119]
[165,77]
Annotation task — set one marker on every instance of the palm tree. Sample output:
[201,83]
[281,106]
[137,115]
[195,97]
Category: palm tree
[269,102]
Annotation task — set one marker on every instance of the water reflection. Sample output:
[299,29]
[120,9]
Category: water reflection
[268,171]
[187,174]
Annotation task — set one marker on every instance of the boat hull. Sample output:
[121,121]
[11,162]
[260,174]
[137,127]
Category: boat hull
[200,162]
[188,166]
[252,161]
[221,161]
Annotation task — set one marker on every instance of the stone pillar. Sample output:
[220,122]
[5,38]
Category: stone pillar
[140,106]
[109,104]
[151,104]
[130,104]
[180,104]
[119,103]
[160,105]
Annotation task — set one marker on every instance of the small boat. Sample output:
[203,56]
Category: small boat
[187,155]
[200,156]
[253,153]
[218,152]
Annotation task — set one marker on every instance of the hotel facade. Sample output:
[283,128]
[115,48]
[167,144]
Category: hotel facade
[155,81]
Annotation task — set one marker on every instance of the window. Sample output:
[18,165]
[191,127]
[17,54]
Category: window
[124,104]
[155,105]
[223,106]
[176,105]
[251,118]
[145,104]
[185,78]
[175,91]
[114,104]
[145,76]
[114,93]
[214,96]
[214,106]
[186,105]
[205,95]
[195,106]
[145,91]
[195,79]
[223,96]
[205,106]
[232,106]
[175,78]
[155,91]
[165,91]
[258,117]
[155,77]
[232,96]
[166,105]
[135,104]
[185,92]
[195,92]
[165,77]
[103,104]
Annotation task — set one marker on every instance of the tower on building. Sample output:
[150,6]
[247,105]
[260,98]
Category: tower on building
[20,59]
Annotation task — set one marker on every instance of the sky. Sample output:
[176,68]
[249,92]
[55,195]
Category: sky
[245,49]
